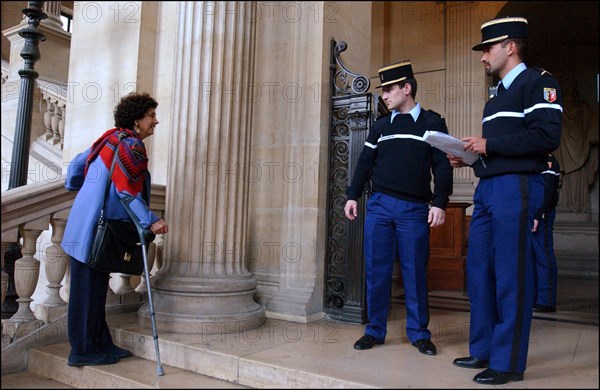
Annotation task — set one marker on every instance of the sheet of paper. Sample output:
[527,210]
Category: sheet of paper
[450,145]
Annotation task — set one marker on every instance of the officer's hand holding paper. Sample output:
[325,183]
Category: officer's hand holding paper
[450,145]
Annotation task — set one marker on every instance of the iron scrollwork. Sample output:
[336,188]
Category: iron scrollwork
[345,81]
[351,120]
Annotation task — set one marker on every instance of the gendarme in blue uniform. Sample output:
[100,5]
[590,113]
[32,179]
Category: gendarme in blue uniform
[546,273]
[399,164]
[521,126]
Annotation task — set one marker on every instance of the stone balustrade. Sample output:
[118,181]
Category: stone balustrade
[53,108]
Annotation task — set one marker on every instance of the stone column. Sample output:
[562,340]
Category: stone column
[459,105]
[296,240]
[466,81]
[52,9]
[203,285]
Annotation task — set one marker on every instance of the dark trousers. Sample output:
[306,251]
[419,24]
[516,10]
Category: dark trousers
[545,261]
[394,226]
[500,269]
[88,330]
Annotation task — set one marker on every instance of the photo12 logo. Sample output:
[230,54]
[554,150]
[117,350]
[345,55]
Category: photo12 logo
[271,11]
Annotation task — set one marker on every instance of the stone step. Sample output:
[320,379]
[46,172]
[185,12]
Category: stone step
[50,361]
[282,354]
[257,358]
[29,380]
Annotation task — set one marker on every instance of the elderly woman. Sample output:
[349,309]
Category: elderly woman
[135,119]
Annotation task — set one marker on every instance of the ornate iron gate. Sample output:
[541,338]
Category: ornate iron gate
[352,116]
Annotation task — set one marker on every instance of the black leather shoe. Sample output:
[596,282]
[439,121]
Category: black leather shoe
[113,350]
[471,362]
[494,377]
[91,359]
[425,346]
[544,309]
[366,342]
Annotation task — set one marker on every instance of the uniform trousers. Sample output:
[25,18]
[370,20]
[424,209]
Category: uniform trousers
[500,268]
[396,227]
[545,261]
[88,330]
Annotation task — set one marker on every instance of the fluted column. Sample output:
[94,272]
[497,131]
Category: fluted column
[52,9]
[466,89]
[203,285]
[461,89]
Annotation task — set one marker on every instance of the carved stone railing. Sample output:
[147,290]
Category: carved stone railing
[27,212]
[53,107]
[48,120]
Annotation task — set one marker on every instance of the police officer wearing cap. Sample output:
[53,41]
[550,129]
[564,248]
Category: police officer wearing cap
[520,126]
[402,207]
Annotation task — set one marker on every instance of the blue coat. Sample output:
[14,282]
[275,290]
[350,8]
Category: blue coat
[85,212]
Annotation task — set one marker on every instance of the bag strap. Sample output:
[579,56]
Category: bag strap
[112,168]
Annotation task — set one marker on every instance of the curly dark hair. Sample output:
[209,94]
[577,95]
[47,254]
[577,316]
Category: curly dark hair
[132,107]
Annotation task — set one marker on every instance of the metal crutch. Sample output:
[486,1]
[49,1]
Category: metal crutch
[145,237]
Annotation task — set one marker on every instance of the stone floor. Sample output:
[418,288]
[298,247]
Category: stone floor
[563,351]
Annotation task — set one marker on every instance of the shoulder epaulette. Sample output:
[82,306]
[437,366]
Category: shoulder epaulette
[543,72]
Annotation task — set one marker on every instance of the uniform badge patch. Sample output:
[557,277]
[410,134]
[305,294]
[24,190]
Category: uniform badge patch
[550,94]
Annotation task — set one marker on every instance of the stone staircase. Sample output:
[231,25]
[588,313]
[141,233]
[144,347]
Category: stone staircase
[253,358]
[134,372]
[281,354]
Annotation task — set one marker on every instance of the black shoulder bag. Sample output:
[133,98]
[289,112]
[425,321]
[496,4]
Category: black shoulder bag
[117,246]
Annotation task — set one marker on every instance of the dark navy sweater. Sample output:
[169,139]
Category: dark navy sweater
[521,125]
[399,163]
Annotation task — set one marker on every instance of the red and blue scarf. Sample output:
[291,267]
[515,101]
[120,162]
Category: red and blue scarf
[131,165]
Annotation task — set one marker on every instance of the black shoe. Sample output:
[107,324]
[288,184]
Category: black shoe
[366,342]
[118,352]
[544,309]
[493,377]
[91,359]
[471,362]
[425,346]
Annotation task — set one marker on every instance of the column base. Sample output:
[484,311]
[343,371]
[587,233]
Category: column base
[204,313]
[463,191]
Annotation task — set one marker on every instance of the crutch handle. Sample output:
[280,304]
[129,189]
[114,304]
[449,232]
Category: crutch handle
[146,235]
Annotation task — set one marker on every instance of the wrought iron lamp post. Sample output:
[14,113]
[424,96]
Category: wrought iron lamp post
[30,53]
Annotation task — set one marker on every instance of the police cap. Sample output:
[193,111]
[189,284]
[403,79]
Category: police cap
[497,30]
[395,73]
